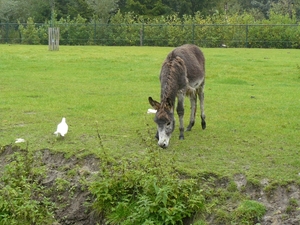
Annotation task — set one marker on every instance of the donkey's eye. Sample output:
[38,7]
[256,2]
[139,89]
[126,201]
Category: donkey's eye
[169,123]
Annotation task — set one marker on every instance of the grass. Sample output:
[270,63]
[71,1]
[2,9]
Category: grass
[252,106]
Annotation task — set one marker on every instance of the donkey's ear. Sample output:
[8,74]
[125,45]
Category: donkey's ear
[154,104]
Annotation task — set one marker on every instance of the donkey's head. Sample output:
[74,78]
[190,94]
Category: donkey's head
[164,118]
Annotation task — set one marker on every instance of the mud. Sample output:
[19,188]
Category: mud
[282,202]
[65,185]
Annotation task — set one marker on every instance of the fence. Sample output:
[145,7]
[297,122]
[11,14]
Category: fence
[205,35]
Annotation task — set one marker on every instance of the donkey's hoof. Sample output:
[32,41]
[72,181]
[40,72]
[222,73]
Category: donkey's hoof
[189,127]
[203,124]
[181,137]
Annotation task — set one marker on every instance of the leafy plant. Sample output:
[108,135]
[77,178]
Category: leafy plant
[249,212]
[145,189]
[292,205]
[129,29]
[22,198]
[29,33]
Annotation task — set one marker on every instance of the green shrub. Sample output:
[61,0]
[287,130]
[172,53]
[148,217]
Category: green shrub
[236,30]
[249,212]
[29,33]
[22,199]
[145,190]
[124,29]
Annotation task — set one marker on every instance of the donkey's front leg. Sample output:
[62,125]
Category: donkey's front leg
[193,100]
[180,112]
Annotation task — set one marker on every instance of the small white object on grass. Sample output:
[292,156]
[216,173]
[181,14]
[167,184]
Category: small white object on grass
[62,128]
[151,111]
[19,140]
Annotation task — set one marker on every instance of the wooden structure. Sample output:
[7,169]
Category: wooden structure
[53,33]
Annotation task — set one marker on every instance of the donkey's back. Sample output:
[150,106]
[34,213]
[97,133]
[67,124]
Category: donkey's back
[194,62]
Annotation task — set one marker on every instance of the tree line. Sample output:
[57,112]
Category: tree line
[277,27]
[103,10]
[279,31]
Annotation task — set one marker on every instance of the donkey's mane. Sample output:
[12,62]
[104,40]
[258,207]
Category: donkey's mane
[175,79]
[168,93]
[170,84]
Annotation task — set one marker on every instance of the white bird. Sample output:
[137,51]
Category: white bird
[19,140]
[151,111]
[62,128]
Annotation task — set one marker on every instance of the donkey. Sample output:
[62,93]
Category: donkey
[182,73]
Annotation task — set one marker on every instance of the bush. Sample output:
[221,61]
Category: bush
[29,33]
[22,199]
[145,190]
[279,31]
[249,212]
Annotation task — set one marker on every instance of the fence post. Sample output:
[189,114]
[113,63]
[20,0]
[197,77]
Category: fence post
[142,35]
[246,44]
[95,32]
[193,33]
[53,42]
[6,32]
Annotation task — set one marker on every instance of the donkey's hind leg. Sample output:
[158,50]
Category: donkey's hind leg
[201,98]
[193,100]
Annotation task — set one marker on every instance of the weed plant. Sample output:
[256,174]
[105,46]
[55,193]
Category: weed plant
[22,197]
[249,212]
[148,189]
[145,189]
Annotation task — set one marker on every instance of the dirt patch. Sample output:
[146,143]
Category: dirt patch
[66,181]
[65,185]
[282,203]
[70,194]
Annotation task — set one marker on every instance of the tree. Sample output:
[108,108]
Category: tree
[167,7]
[73,8]
[285,7]
[179,6]
[21,10]
[103,9]
[147,8]
[7,10]
[262,6]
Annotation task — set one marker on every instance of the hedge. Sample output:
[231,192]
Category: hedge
[279,31]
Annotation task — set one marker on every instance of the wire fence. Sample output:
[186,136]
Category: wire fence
[205,35]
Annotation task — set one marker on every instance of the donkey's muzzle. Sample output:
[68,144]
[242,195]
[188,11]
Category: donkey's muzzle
[163,144]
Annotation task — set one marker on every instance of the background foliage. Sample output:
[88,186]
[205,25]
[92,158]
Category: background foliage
[40,10]
[234,23]
[278,31]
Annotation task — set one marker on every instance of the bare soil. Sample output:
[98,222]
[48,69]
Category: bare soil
[282,202]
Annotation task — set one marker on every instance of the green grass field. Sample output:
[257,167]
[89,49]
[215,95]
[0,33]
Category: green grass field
[252,105]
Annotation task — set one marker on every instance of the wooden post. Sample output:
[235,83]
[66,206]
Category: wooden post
[53,38]
[142,35]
